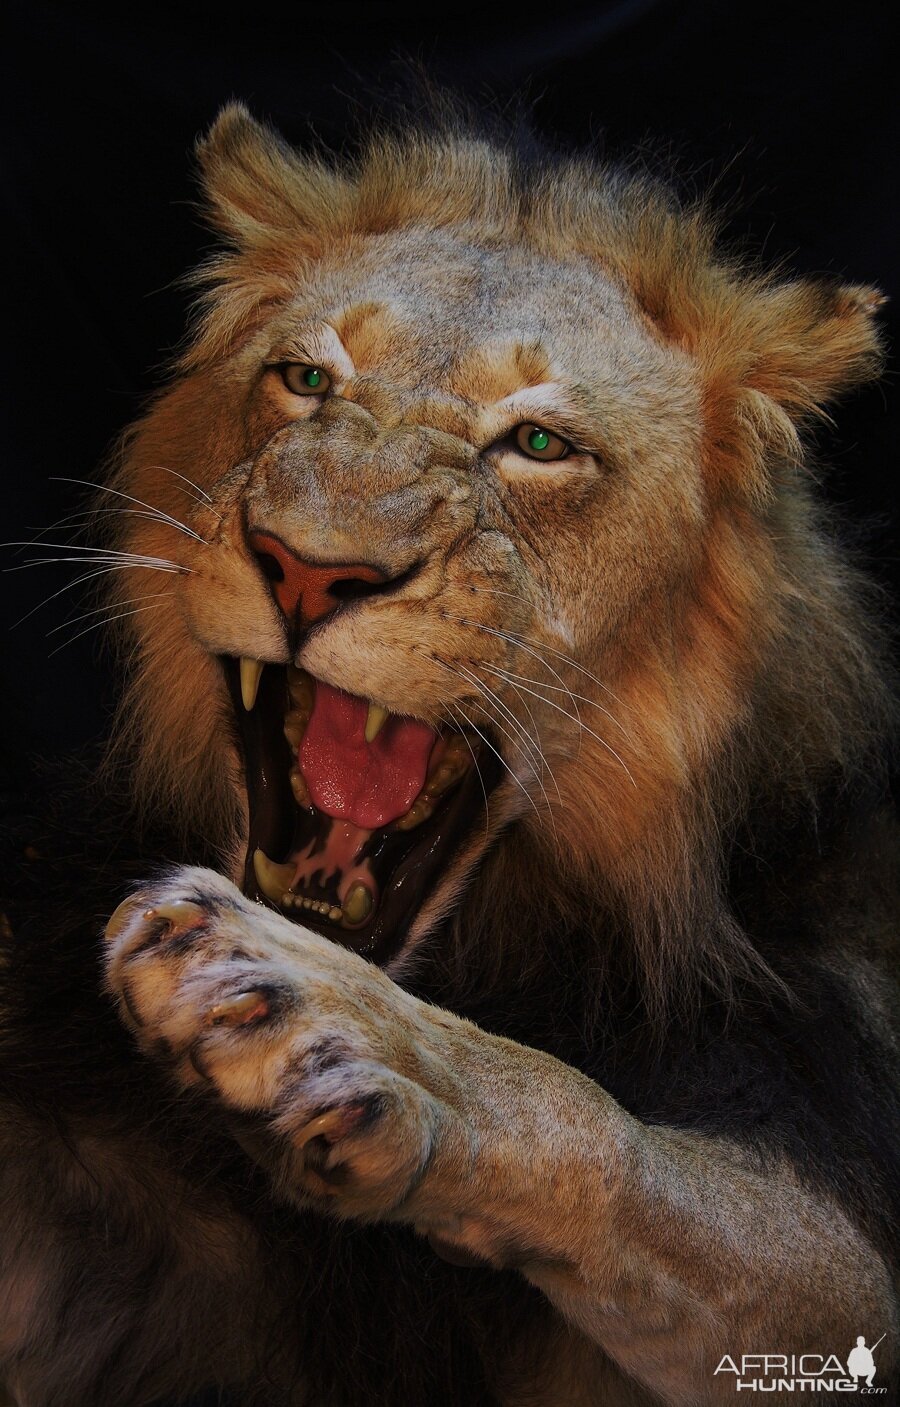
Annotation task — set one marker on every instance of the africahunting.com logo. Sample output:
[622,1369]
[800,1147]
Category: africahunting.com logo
[805,1372]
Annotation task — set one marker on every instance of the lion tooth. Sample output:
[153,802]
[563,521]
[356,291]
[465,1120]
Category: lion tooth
[377,717]
[272,879]
[300,688]
[299,787]
[420,810]
[251,673]
[358,904]
[294,728]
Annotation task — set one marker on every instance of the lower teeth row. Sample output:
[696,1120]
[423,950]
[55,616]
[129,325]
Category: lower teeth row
[271,878]
[318,906]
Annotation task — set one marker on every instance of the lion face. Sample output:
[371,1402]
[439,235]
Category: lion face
[434,495]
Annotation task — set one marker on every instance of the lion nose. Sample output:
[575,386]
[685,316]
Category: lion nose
[308,591]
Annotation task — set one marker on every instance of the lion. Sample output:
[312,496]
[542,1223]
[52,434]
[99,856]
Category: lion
[498,1004]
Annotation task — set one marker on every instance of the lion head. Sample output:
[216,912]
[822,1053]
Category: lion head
[479,522]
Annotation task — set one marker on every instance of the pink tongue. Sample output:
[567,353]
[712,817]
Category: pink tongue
[369,784]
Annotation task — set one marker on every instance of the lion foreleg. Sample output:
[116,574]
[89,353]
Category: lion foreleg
[666,1248]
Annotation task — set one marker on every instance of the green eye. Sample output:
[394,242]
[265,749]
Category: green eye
[539,443]
[305,380]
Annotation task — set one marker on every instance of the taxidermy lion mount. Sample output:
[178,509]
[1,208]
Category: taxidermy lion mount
[511,1021]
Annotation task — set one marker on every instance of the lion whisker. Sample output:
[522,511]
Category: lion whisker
[502,760]
[560,654]
[511,737]
[531,741]
[77,581]
[487,813]
[87,515]
[536,734]
[93,555]
[159,566]
[520,644]
[579,722]
[204,498]
[157,513]
[555,689]
[533,744]
[97,623]
[493,591]
[110,606]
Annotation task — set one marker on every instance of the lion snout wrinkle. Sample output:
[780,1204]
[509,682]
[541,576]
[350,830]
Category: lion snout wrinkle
[392,503]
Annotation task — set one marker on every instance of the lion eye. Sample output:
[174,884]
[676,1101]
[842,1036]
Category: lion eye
[539,443]
[304,380]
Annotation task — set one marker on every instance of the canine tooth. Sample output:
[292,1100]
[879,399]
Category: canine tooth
[251,673]
[335,914]
[272,879]
[358,904]
[375,721]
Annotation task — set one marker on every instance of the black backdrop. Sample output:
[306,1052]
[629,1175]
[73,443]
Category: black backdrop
[791,101]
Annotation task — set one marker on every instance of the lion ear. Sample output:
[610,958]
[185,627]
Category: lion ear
[255,185]
[810,340]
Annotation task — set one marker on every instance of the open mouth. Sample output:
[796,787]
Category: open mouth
[354,812]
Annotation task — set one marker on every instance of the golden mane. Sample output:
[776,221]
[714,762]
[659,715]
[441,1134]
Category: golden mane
[772,682]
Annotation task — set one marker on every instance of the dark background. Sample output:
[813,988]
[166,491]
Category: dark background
[787,106]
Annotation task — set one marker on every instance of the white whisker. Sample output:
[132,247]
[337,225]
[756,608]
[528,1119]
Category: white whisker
[502,760]
[158,566]
[555,689]
[97,623]
[560,654]
[512,739]
[157,513]
[489,693]
[110,606]
[185,480]
[533,745]
[584,728]
[513,639]
[98,551]
[493,591]
[487,814]
[69,586]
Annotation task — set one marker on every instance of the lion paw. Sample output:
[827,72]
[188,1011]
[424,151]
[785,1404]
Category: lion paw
[315,1050]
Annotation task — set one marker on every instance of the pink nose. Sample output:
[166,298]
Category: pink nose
[308,591]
